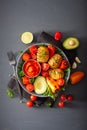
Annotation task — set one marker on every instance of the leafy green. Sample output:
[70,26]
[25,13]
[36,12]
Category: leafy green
[20,73]
[50,94]
[10,93]
[32,80]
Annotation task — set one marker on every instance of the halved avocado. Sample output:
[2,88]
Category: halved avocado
[71,43]
[40,85]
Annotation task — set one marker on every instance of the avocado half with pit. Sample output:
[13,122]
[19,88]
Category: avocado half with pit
[71,43]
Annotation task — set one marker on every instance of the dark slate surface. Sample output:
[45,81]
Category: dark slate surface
[18,16]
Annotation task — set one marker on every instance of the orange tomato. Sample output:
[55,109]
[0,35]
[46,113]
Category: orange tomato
[25,80]
[26,56]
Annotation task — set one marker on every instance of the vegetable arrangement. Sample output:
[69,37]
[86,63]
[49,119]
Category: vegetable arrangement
[47,67]
[44,70]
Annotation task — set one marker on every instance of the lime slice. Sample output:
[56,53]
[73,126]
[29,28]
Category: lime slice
[27,37]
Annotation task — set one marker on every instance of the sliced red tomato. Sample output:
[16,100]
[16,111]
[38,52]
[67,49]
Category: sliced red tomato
[33,98]
[34,56]
[25,80]
[45,73]
[33,49]
[64,64]
[29,103]
[30,87]
[52,50]
[60,81]
[45,66]
[26,56]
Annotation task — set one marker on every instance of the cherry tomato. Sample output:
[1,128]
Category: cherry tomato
[45,73]
[60,81]
[26,56]
[25,80]
[61,104]
[58,36]
[30,87]
[64,64]
[45,66]
[33,49]
[29,103]
[70,98]
[52,50]
[63,97]
[33,98]
[34,56]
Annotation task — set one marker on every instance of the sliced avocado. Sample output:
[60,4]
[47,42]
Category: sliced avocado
[40,85]
[71,43]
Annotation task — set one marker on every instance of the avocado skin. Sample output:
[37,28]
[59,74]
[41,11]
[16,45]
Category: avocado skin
[70,47]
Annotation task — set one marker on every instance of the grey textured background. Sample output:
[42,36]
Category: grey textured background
[17,16]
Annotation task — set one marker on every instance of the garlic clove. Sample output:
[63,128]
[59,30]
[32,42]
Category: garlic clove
[74,65]
[77,60]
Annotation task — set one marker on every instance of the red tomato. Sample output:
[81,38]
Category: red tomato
[26,56]
[52,50]
[29,103]
[58,36]
[33,98]
[70,98]
[25,80]
[60,81]
[30,87]
[45,73]
[34,56]
[61,104]
[63,97]
[33,49]
[64,64]
[45,66]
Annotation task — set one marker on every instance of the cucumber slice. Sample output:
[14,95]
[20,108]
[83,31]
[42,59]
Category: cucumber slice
[40,85]
[27,37]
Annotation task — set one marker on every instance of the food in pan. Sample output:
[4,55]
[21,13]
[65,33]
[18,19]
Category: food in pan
[42,72]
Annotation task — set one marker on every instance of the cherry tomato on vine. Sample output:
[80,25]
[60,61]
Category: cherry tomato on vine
[70,98]
[61,104]
[29,103]
[33,98]
[63,97]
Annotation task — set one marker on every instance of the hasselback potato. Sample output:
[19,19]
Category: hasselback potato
[56,73]
[55,61]
[42,54]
